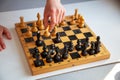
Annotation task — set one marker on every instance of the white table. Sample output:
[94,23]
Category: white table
[104,20]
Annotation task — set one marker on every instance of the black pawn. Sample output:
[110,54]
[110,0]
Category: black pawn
[57,57]
[52,49]
[79,45]
[58,38]
[92,49]
[84,51]
[38,41]
[71,47]
[38,62]
[97,45]
[36,53]
[87,41]
[48,57]
[65,52]
[44,53]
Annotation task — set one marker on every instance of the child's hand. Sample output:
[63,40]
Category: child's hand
[5,31]
[53,11]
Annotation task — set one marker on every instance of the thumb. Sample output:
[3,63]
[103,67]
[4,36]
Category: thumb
[7,33]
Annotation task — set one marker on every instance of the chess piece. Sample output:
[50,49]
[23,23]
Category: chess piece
[34,29]
[54,31]
[79,17]
[87,41]
[44,53]
[79,45]
[22,23]
[92,49]
[57,39]
[36,53]
[29,32]
[72,21]
[76,14]
[84,51]
[38,22]
[38,62]
[65,53]
[57,57]
[52,49]
[97,45]
[62,23]
[41,27]
[71,46]
[82,22]
[47,33]
[38,41]
[48,57]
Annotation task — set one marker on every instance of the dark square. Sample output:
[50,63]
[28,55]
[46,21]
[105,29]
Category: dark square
[62,33]
[31,50]
[30,24]
[36,63]
[88,34]
[66,28]
[82,27]
[67,43]
[45,37]
[38,45]
[24,30]
[49,46]
[68,23]
[34,34]
[57,61]
[73,37]
[54,40]
[83,40]
[29,39]
[77,31]
[74,55]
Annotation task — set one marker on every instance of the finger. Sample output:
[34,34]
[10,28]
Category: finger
[60,17]
[53,21]
[63,15]
[45,20]
[2,43]
[57,16]
[7,33]
[0,48]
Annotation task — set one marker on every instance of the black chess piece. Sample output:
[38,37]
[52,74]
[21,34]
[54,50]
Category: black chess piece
[57,57]
[38,63]
[36,53]
[44,53]
[84,51]
[65,52]
[87,41]
[71,47]
[79,45]
[48,57]
[92,49]
[97,45]
[52,49]
[57,39]
[38,41]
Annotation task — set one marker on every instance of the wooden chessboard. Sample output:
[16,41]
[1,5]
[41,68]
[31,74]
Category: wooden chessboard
[68,33]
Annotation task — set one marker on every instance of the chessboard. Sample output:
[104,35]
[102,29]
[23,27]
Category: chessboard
[71,43]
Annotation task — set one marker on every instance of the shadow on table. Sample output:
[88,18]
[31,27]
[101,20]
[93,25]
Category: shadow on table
[117,76]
